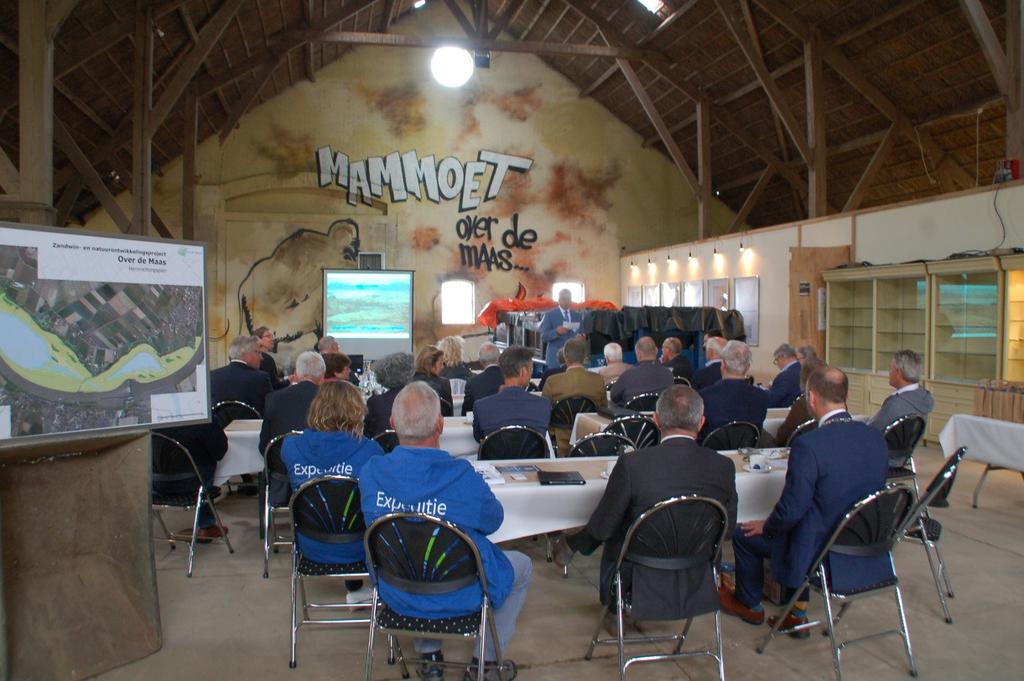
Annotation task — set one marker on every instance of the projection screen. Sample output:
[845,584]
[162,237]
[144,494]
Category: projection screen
[369,311]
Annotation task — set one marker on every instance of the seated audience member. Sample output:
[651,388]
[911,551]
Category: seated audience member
[575,381]
[512,405]
[328,345]
[615,367]
[417,472]
[647,376]
[711,372]
[910,397]
[338,367]
[806,352]
[429,364]
[829,470]
[676,467]
[672,357]
[333,444]
[453,366]
[241,379]
[798,413]
[288,409]
[552,371]
[207,444]
[267,362]
[488,381]
[393,372]
[732,398]
[786,386]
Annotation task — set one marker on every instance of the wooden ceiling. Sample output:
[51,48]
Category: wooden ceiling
[912,65]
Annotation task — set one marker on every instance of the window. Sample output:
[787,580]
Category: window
[693,294]
[458,304]
[575,288]
[653,6]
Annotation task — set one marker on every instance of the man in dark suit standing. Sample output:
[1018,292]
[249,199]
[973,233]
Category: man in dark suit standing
[488,381]
[786,386]
[646,377]
[287,410]
[512,405]
[558,326]
[241,379]
[673,358]
[711,372]
[733,398]
[675,467]
[830,469]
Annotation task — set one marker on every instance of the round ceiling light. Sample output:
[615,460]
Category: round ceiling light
[451,66]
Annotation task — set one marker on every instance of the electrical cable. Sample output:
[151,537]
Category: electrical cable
[925,164]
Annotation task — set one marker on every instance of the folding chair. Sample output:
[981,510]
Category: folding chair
[387,440]
[805,427]
[325,509]
[226,411]
[513,442]
[637,428]
[643,402]
[602,444]
[678,533]
[682,380]
[172,462]
[925,529]
[564,411]
[733,435]
[902,437]
[871,527]
[420,554]
[273,469]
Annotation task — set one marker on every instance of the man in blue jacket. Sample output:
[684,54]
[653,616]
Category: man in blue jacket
[786,386]
[733,398]
[830,469]
[417,474]
[512,405]
[558,326]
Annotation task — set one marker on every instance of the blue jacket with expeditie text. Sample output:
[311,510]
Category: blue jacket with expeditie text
[418,479]
[315,454]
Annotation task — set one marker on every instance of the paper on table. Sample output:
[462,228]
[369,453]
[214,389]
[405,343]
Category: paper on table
[489,473]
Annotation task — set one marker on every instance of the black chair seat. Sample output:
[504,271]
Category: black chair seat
[900,473]
[932,527]
[462,625]
[892,581]
[312,568]
[176,500]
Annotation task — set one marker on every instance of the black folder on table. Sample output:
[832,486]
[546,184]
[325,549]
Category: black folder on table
[613,412]
[560,478]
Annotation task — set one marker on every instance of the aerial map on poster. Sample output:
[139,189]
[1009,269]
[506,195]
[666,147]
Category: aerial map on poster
[99,332]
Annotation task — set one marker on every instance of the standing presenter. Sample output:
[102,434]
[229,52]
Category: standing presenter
[558,326]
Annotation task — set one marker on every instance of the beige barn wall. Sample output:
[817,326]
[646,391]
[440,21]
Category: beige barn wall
[593,190]
[932,229]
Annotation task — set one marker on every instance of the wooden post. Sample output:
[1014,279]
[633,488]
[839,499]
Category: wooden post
[817,194]
[704,167]
[1015,98]
[35,114]
[188,165]
[142,149]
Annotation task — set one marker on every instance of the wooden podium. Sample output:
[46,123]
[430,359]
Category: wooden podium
[78,576]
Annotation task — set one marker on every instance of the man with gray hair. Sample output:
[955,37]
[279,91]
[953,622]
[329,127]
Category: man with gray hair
[786,386]
[288,408]
[676,467]
[711,372]
[733,398]
[614,366]
[648,376]
[328,345]
[419,476]
[488,381]
[512,405]
[241,379]
[910,397]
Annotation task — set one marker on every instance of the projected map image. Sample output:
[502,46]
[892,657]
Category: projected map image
[77,355]
[362,307]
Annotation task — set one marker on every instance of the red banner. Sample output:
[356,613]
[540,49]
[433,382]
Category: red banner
[489,315]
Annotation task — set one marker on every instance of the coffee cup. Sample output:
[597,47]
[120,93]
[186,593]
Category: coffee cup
[608,469]
[759,463]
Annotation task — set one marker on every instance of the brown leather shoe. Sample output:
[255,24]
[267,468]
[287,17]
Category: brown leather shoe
[790,622]
[732,606]
[205,535]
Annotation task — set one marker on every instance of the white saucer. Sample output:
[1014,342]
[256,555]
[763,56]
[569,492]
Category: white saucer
[747,468]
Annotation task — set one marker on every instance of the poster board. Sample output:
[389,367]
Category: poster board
[99,332]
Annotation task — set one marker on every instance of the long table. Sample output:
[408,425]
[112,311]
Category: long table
[991,441]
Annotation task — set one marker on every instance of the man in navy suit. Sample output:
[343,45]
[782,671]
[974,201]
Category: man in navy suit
[488,381]
[241,379]
[711,372]
[512,405]
[673,358]
[558,326]
[733,398]
[829,470]
[786,386]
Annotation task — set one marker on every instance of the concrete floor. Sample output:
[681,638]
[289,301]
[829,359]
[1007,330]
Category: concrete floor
[227,622]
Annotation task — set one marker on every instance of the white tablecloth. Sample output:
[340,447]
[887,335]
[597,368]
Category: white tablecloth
[991,441]
[593,423]
[457,438]
[243,455]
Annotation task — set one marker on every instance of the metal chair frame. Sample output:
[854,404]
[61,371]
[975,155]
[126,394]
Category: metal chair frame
[981,481]
[268,511]
[202,497]
[382,437]
[575,404]
[481,450]
[298,587]
[583,441]
[486,610]
[235,403]
[805,427]
[682,380]
[621,639]
[910,450]
[817,569]
[640,401]
[648,435]
[732,425]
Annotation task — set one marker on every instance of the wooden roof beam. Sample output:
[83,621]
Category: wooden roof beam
[56,12]
[871,171]
[9,176]
[763,178]
[989,42]
[505,17]
[467,26]
[528,47]
[91,178]
[249,95]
